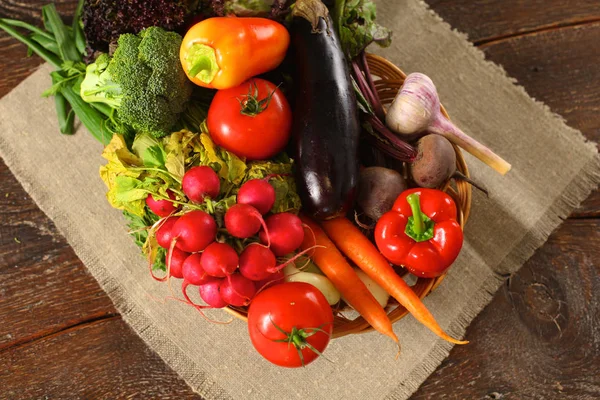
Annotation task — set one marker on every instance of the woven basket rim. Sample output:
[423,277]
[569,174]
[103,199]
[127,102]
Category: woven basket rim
[383,70]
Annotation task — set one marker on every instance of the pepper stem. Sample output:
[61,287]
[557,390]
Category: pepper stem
[419,226]
[415,206]
[202,61]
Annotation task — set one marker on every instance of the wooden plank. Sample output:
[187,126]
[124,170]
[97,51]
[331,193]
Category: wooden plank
[14,65]
[100,360]
[560,68]
[490,343]
[45,288]
[590,208]
[540,332]
[540,337]
[485,20]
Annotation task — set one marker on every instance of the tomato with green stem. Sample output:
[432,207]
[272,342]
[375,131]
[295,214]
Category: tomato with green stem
[252,120]
[290,324]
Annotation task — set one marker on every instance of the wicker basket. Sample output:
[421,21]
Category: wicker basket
[388,81]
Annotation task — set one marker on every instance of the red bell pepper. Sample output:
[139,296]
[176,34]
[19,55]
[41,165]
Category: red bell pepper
[421,232]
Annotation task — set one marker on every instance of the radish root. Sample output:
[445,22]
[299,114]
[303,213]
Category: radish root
[291,260]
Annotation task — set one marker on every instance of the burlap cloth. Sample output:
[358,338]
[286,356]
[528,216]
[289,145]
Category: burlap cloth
[553,171]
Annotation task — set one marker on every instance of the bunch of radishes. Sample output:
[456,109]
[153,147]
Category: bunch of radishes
[194,254]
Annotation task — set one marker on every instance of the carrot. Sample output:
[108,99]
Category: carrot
[333,264]
[358,248]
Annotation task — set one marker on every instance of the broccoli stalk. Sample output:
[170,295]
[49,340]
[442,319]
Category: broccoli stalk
[143,81]
[98,85]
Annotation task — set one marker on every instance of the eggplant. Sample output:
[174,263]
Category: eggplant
[325,127]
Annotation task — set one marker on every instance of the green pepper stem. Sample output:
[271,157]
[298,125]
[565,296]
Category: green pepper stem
[415,206]
[203,64]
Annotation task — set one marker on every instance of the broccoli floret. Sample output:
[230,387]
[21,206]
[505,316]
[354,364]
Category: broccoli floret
[143,80]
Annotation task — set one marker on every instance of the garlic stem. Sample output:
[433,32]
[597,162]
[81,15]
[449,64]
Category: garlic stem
[416,108]
[447,129]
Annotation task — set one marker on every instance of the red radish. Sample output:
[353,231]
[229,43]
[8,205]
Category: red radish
[211,293]
[193,231]
[193,274]
[257,193]
[219,260]
[163,233]
[271,280]
[243,221]
[163,207]
[176,258]
[285,233]
[199,182]
[237,290]
[255,261]
[192,271]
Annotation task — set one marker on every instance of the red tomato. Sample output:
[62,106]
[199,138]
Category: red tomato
[295,308]
[252,120]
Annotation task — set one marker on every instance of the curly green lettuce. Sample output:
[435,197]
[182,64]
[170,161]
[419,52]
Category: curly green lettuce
[355,21]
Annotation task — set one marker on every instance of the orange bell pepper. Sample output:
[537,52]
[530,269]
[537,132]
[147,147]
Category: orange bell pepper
[223,52]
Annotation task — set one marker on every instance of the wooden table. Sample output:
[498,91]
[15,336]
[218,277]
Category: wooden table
[60,336]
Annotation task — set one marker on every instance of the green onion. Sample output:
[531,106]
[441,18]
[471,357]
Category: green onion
[66,44]
[63,112]
[32,28]
[78,34]
[103,108]
[36,47]
[66,120]
[48,44]
[91,118]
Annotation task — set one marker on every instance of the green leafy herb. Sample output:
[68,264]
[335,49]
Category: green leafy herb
[66,45]
[355,21]
[286,197]
[63,47]
[154,156]
[138,228]
[160,258]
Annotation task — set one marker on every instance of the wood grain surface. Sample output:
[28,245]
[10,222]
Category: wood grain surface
[61,338]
